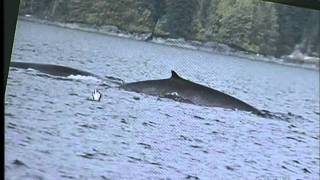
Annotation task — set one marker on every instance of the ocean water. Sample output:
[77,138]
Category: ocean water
[52,130]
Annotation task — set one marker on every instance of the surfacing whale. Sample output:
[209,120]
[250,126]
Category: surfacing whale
[55,70]
[175,88]
[187,91]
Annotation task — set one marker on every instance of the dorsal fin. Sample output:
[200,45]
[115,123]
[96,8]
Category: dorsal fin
[174,75]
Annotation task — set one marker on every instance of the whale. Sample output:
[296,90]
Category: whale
[175,88]
[51,69]
[183,90]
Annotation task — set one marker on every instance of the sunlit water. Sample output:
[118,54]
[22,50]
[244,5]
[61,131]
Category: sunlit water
[52,130]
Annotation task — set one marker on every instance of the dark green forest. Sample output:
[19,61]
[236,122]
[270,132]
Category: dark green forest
[250,25]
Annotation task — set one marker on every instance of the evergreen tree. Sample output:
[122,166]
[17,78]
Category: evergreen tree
[180,15]
[236,24]
[211,20]
[291,22]
[265,32]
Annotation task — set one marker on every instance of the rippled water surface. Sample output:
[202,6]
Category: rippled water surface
[52,130]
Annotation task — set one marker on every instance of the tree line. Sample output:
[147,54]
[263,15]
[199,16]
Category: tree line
[251,25]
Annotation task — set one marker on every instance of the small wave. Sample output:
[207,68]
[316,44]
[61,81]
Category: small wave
[288,117]
[31,69]
[68,78]
[81,77]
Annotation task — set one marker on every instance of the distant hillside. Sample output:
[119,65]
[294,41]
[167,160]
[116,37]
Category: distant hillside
[254,26]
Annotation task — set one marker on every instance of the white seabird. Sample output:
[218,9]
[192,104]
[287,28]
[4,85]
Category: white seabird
[96,95]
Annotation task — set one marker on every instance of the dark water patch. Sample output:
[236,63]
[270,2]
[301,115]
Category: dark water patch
[252,131]
[92,126]
[114,116]
[196,146]
[205,151]
[124,121]
[284,167]
[305,170]
[117,135]
[207,124]
[154,163]
[11,125]
[298,140]
[250,161]
[148,124]
[191,177]
[194,159]
[125,143]
[220,152]
[296,161]
[37,89]
[68,176]
[151,122]
[12,95]
[105,178]
[29,108]
[21,144]
[81,114]
[219,121]
[125,130]
[314,162]
[182,137]
[28,45]
[298,132]
[27,140]
[101,153]
[292,126]
[50,102]
[8,114]
[88,155]
[229,168]
[287,117]
[133,117]
[26,49]
[167,115]
[19,163]
[73,94]
[136,98]
[134,159]
[198,117]
[198,140]
[45,151]
[146,146]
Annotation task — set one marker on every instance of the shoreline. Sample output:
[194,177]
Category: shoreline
[210,47]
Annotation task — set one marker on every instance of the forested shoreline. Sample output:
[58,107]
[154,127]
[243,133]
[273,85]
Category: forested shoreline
[249,25]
